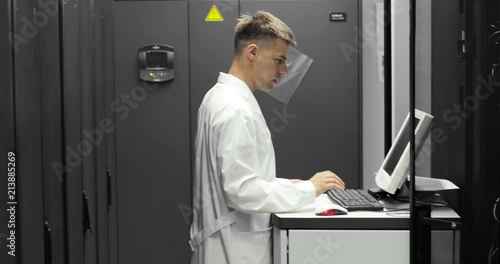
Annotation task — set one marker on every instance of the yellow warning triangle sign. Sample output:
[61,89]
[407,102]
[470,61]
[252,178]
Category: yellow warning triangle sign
[214,15]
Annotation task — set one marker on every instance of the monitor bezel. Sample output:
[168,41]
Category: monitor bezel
[391,183]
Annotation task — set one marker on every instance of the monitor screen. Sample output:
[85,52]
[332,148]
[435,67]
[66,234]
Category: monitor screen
[394,169]
[156,60]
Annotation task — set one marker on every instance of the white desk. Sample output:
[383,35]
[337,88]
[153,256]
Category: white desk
[301,237]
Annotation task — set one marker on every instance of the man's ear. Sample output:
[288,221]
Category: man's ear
[252,52]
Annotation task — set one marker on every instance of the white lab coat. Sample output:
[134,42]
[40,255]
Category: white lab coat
[235,186]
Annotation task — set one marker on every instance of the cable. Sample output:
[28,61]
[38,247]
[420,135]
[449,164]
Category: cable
[495,209]
[493,72]
[491,255]
[494,250]
[494,42]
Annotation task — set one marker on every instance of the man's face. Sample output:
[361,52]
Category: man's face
[271,64]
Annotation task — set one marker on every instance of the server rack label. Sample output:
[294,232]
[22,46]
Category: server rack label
[338,16]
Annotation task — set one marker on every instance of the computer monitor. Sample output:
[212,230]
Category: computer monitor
[396,166]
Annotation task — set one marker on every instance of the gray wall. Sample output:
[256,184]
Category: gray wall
[373,93]
[423,75]
[373,87]
[400,63]
[401,67]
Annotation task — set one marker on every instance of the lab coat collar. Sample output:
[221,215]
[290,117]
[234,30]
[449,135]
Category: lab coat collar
[237,83]
[241,88]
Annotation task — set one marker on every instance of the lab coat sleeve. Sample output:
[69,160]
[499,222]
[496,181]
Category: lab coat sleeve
[244,188]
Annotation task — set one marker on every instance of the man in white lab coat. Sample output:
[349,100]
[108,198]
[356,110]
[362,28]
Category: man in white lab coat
[235,186]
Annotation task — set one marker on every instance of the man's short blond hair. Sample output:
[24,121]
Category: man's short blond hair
[262,26]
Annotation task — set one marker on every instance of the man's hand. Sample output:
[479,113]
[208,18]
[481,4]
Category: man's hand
[326,180]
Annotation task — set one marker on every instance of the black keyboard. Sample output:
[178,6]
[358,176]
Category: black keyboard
[354,200]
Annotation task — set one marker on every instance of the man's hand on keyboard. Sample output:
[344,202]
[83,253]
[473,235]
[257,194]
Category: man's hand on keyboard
[326,180]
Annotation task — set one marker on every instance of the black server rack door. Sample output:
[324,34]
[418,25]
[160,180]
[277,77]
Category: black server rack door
[52,136]
[29,236]
[7,130]
[448,88]
[152,135]
[448,153]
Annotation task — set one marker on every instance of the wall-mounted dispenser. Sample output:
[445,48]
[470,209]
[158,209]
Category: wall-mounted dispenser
[156,63]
